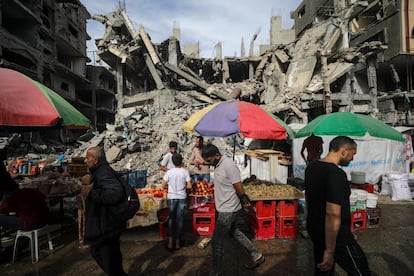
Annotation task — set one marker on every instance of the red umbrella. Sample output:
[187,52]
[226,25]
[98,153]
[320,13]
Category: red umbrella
[27,103]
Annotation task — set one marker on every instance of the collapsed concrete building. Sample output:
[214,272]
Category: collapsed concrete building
[345,58]
[46,40]
[340,56]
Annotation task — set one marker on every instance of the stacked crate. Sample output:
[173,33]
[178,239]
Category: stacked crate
[373,217]
[286,218]
[358,220]
[262,220]
[204,218]
[162,215]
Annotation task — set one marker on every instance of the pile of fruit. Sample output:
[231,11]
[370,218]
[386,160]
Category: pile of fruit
[202,188]
[260,189]
[154,192]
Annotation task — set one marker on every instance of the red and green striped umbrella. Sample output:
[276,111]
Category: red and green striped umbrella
[26,103]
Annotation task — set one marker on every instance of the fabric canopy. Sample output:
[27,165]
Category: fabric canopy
[27,103]
[232,117]
[349,124]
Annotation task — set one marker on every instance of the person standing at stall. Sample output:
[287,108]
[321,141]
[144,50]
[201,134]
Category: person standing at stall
[201,169]
[166,162]
[328,220]
[102,228]
[229,199]
[178,180]
[21,209]
[313,146]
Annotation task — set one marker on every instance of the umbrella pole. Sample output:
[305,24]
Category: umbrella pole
[234,146]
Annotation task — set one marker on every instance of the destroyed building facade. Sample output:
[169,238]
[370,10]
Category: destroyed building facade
[339,56]
[347,56]
[382,80]
[46,40]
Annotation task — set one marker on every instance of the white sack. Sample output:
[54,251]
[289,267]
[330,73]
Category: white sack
[385,186]
[400,190]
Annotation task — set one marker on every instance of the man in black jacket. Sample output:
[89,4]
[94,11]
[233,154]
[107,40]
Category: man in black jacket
[102,227]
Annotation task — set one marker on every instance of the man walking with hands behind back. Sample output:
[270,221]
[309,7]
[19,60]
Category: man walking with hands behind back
[329,219]
[102,228]
[228,196]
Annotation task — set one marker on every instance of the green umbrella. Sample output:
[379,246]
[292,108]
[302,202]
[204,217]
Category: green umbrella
[349,124]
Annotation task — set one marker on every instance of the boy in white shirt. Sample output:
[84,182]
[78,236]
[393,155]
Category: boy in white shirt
[178,180]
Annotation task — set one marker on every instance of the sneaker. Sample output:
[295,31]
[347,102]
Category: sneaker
[258,261]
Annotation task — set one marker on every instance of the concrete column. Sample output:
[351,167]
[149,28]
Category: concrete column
[326,87]
[94,84]
[172,52]
[219,51]
[372,81]
[120,84]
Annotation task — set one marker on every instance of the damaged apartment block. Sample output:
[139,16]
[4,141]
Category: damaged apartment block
[46,40]
[340,56]
[347,56]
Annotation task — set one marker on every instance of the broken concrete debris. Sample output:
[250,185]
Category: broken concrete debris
[314,75]
[159,87]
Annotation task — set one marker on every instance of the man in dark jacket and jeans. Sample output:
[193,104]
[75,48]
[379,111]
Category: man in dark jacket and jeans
[102,228]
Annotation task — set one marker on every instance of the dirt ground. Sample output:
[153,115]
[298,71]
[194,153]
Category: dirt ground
[389,247]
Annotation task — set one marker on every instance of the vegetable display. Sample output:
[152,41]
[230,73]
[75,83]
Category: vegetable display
[265,190]
[202,188]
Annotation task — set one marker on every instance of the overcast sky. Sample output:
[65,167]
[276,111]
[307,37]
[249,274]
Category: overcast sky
[207,21]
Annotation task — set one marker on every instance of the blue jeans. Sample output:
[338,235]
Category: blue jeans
[176,217]
[202,176]
[229,224]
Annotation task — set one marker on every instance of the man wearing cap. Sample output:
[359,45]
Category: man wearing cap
[166,162]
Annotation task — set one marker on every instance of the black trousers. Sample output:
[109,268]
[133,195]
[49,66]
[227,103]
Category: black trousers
[350,257]
[108,256]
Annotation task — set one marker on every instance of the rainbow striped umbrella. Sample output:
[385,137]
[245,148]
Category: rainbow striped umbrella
[232,117]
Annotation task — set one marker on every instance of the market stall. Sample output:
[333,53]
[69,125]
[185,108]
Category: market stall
[151,201]
[274,211]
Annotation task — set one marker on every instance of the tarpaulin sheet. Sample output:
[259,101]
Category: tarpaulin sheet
[375,156]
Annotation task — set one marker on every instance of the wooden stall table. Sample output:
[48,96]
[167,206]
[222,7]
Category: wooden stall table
[151,201]
[60,198]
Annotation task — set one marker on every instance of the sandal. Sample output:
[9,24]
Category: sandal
[255,263]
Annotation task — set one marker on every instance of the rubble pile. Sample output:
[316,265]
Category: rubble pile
[318,73]
[141,136]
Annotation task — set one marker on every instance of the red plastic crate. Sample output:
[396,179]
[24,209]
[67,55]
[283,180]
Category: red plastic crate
[358,220]
[373,217]
[207,208]
[262,228]
[367,187]
[287,208]
[286,227]
[264,208]
[204,223]
[194,201]
[163,230]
